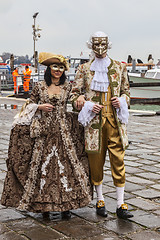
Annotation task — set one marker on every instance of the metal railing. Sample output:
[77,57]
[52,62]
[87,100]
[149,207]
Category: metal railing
[6,81]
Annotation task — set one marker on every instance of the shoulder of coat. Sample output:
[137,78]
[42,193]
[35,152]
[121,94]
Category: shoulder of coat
[85,66]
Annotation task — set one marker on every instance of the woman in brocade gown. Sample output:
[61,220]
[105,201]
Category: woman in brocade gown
[47,166]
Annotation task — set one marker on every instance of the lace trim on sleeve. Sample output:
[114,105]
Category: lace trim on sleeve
[26,114]
[86,114]
[122,112]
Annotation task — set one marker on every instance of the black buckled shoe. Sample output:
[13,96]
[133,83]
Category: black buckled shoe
[100,208]
[66,215]
[123,212]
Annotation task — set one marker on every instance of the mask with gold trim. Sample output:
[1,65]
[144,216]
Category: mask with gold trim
[99,45]
[57,67]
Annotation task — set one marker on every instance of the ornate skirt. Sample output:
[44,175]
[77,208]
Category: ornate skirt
[44,173]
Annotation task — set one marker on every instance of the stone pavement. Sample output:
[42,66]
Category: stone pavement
[142,192]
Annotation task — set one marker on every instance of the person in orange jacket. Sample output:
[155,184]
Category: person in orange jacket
[27,76]
[15,75]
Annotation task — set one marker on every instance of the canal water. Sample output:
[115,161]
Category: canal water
[145,92]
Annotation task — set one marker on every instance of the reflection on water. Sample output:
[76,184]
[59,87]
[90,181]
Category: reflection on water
[145,92]
[141,80]
[146,107]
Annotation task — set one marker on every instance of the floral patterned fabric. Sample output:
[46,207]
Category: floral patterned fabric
[47,165]
[117,75]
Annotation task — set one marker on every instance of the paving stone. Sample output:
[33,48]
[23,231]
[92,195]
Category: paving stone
[157,200]
[12,236]
[89,214]
[2,175]
[2,160]
[157,165]
[149,175]
[149,157]
[147,235]
[4,148]
[156,186]
[110,184]
[120,226]
[3,229]
[157,153]
[106,236]
[147,162]
[148,146]
[143,204]
[132,170]
[4,141]
[9,214]
[131,158]
[107,178]
[139,180]
[76,228]
[5,151]
[33,230]
[157,212]
[148,193]
[150,168]
[148,220]
[3,167]
[138,152]
[114,195]
[1,187]
[131,146]
[107,189]
[130,187]
[132,164]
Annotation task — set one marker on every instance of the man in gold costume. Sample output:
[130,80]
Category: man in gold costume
[101,92]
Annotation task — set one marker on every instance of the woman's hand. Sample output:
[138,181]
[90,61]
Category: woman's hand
[80,102]
[115,102]
[97,108]
[46,107]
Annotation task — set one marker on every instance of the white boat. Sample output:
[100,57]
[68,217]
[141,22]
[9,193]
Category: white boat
[153,73]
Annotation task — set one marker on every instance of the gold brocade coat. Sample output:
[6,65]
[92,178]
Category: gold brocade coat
[117,74]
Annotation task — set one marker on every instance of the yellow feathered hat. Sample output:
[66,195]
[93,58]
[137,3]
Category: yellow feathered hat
[48,59]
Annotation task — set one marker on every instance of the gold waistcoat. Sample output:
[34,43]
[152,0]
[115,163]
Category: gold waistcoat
[107,110]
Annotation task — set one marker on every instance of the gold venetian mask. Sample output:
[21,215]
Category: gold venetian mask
[57,67]
[99,45]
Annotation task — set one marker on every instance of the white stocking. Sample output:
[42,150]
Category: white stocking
[99,192]
[120,196]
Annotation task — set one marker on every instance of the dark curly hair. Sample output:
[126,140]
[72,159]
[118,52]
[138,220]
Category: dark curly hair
[47,77]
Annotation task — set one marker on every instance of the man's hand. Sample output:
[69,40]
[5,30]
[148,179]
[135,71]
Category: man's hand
[80,102]
[46,107]
[97,108]
[115,102]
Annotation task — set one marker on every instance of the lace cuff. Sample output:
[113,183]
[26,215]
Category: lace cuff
[86,114]
[25,116]
[122,112]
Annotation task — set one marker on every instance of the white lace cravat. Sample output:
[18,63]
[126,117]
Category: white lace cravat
[100,81]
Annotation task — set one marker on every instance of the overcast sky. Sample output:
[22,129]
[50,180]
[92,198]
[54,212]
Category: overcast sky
[132,26]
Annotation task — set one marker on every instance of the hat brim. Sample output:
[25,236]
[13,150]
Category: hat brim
[50,61]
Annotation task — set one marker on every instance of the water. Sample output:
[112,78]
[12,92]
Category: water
[145,92]
[145,107]
[141,80]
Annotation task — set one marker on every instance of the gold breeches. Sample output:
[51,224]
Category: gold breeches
[111,141]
